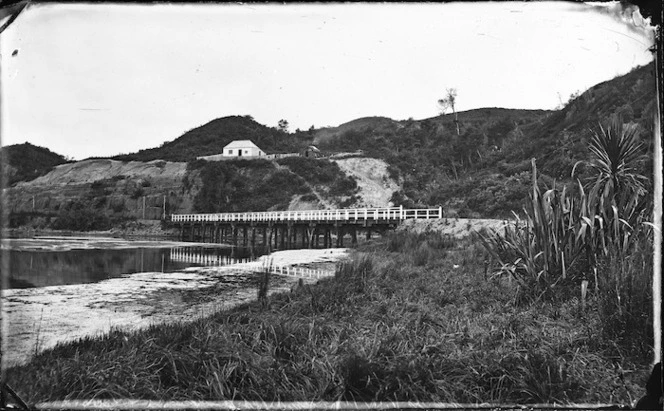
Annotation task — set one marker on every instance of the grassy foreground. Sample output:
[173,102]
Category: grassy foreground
[410,317]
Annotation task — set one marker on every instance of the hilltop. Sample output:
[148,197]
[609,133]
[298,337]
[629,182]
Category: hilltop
[482,118]
[210,138]
[24,162]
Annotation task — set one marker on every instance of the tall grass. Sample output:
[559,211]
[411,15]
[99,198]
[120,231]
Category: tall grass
[625,301]
[600,234]
[263,284]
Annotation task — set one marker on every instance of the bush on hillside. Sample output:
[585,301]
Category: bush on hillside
[25,162]
[323,174]
[245,185]
[83,216]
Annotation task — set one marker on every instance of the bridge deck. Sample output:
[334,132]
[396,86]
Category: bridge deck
[386,214]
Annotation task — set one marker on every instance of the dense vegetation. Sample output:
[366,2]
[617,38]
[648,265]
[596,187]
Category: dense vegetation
[244,185]
[211,138]
[25,162]
[325,176]
[410,317]
[260,185]
[483,171]
[87,213]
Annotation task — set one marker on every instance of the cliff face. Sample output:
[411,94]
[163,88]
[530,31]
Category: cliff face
[376,186]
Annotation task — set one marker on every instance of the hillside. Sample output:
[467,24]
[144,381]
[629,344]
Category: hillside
[24,162]
[99,194]
[211,138]
[258,185]
[484,171]
[561,139]
[373,123]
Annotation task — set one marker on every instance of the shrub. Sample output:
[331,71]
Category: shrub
[322,173]
[422,255]
[356,272]
[22,218]
[81,216]
[408,241]
[137,193]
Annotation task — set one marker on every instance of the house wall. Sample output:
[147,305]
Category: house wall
[246,152]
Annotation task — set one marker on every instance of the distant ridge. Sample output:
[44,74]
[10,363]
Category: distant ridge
[385,124]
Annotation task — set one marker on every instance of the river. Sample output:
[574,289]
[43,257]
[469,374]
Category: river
[63,288]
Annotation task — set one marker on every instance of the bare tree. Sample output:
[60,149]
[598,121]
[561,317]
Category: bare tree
[449,102]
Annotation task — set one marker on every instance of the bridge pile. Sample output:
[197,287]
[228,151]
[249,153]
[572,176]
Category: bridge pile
[284,229]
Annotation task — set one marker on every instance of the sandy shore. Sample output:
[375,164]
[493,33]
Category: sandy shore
[38,318]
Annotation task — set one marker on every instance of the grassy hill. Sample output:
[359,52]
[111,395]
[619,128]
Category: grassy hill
[373,123]
[561,139]
[211,138]
[25,162]
[484,171]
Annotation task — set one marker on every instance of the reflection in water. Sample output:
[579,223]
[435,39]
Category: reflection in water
[38,268]
[205,256]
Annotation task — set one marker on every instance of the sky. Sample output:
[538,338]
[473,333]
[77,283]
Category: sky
[102,79]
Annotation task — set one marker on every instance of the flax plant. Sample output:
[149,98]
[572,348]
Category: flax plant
[540,251]
[564,236]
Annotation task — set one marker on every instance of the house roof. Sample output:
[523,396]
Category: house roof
[241,144]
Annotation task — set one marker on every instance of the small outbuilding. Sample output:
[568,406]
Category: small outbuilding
[311,152]
[242,148]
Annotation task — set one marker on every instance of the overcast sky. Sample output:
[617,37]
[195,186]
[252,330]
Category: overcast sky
[99,80]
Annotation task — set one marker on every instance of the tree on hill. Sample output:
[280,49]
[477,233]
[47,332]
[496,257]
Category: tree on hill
[283,125]
[449,102]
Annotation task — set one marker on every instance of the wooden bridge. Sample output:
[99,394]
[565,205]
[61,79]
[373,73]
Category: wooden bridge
[281,228]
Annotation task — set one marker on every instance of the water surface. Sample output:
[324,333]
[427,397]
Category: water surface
[31,267]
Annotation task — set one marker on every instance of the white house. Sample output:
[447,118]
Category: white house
[242,148]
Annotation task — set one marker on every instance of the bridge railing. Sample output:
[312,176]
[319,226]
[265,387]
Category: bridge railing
[351,214]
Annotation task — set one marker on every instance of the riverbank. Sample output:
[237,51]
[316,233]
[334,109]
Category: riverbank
[412,317]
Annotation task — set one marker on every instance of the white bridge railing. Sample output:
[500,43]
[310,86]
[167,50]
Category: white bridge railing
[353,214]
